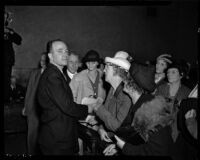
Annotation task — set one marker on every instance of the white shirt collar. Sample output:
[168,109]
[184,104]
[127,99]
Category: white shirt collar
[194,92]
[70,74]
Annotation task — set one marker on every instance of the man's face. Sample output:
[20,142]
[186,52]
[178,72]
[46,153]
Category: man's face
[73,63]
[59,53]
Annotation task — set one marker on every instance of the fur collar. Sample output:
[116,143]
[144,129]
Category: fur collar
[152,114]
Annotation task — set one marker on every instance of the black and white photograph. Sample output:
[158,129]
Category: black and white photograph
[103,78]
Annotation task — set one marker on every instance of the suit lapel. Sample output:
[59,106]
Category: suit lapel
[59,72]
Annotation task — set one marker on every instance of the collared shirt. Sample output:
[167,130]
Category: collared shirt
[115,109]
[70,74]
[194,92]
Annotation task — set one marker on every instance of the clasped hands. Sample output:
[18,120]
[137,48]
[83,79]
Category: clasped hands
[94,106]
[112,148]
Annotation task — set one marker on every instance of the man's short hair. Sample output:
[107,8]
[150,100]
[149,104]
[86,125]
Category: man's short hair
[50,43]
[73,53]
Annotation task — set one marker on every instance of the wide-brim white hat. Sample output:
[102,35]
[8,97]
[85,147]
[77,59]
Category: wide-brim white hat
[119,61]
[121,54]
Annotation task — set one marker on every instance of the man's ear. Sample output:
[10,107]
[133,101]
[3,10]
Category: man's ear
[181,75]
[50,56]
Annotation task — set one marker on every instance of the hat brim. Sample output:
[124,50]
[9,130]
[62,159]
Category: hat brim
[123,63]
[92,60]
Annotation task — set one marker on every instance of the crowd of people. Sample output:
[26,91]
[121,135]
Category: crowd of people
[115,106]
[69,111]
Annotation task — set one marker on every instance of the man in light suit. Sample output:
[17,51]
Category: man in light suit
[59,114]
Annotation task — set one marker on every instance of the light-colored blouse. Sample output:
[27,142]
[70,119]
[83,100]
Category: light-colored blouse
[81,86]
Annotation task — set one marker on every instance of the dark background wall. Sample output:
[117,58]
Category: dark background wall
[143,31]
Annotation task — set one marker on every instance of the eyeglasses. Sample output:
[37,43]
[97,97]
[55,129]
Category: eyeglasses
[109,64]
[115,66]
[61,51]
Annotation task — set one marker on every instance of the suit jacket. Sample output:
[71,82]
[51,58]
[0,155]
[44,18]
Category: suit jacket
[115,109]
[30,106]
[58,112]
[66,74]
[182,92]
[30,101]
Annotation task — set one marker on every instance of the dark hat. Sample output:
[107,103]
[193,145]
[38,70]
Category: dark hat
[143,75]
[91,55]
[181,65]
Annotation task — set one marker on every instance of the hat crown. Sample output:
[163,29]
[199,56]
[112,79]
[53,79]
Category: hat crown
[121,54]
[119,61]
[143,75]
[92,55]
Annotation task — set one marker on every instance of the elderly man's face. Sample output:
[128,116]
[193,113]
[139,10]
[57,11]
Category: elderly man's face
[73,63]
[59,53]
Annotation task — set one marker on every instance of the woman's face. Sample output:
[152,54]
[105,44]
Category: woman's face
[161,65]
[92,65]
[173,75]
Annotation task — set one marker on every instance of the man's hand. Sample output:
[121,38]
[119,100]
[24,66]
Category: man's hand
[99,100]
[110,150]
[190,114]
[91,107]
[104,135]
[98,104]
[23,111]
[91,120]
[120,142]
